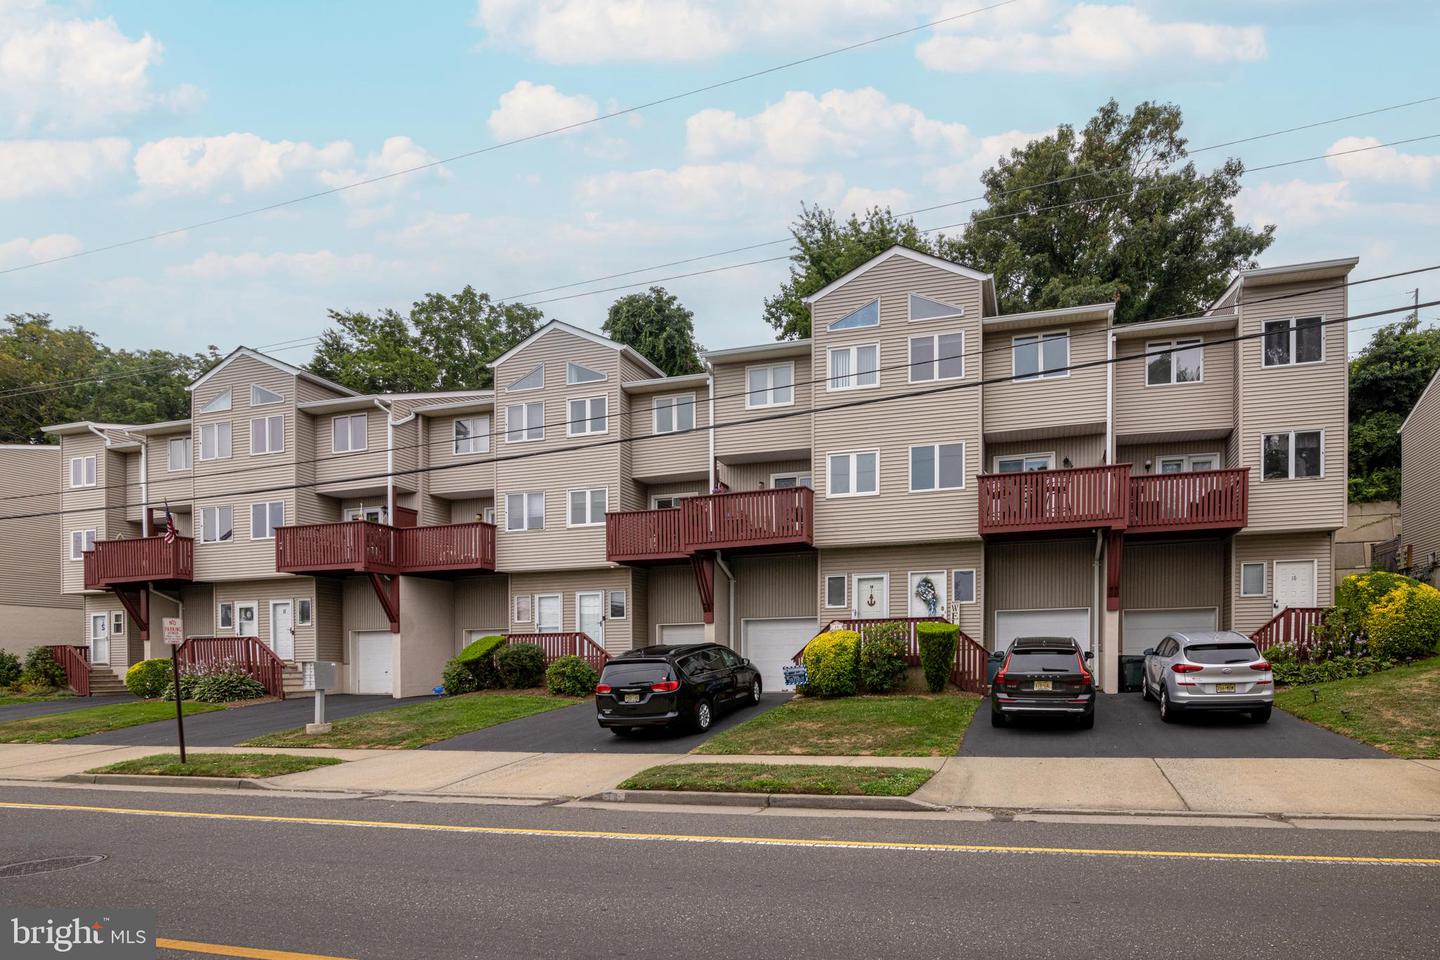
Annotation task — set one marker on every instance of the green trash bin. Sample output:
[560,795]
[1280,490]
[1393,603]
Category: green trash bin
[1132,671]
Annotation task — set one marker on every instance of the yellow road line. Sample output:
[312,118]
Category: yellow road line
[701,838]
[225,950]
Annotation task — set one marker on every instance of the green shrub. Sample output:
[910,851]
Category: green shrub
[571,677]
[521,665]
[882,657]
[227,686]
[42,670]
[832,664]
[479,658]
[1292,673]
[1404,624]
[149,678]
[458,678]
[937,652]
[9,669]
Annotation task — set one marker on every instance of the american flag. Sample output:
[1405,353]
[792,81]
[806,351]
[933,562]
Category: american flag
[170,531]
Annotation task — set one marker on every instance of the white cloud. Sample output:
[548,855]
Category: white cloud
[860,199]
[319,266]
[23,250]
[965,175]
[58,73]
[1384,165]
[192,164]
[715,191]
[527,109]
[1294,203]
[1047,36]
[370,202]
[33,167]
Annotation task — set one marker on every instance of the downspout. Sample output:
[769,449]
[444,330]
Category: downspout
[710,403]
[1110,399]
[144,486]
[730,577]
[1097,599]
[389,462]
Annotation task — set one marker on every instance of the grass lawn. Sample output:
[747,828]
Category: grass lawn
[416,725]
[781,778]
[219,765]
[7,699]
[906,725]
[1396,710]
[86,720]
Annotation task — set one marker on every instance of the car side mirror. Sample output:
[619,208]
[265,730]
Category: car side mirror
[1149,652]
[744,661]
[1089,654]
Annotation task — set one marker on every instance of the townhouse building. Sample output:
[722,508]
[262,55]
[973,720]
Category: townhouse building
[1419,548]
[33,609]
[921,454]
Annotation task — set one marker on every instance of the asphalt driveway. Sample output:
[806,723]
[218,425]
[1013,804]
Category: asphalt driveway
[227,728]
[22,711]
[574,730]
[1127,726]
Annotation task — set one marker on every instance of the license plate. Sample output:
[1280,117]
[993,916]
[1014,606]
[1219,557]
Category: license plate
[1224,688]
[1043,685]
[635,697]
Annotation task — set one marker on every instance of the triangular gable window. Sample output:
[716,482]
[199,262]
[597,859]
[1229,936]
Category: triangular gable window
[923,308]
[259,396]
[574,373]
[534,380]
[221,402]
[866,316]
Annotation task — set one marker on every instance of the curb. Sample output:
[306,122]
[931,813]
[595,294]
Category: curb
[155,780]
[791,800]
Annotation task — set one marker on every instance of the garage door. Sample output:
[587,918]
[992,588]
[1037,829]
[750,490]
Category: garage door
[1073,623]
[770,644]
[370,670]
[1146,628]
[678,633]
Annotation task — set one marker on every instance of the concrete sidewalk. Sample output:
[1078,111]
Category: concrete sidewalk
[1377,788]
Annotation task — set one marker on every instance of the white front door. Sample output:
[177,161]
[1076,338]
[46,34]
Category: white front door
[590,615]
[282,630]
[1073,623]
[100,638]
[548,617]
[871,602]
[1294,584]
[247,619]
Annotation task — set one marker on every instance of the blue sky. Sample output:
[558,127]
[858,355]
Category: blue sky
[119,119]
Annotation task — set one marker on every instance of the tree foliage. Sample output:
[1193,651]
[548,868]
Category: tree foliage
[1386,380]
[445,343]
[659,327]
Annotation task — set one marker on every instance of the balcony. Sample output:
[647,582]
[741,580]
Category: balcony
[445,548]
[360,546]
[1178,502]
[140,560]
[722,521]
[1045,501]
[642,536]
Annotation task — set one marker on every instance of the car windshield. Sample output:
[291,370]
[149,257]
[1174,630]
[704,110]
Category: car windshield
[644,671]
[1222,652]
[1042,661]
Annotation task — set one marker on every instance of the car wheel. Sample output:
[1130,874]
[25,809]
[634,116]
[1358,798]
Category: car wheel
[1145,688]
[998,719]
[704,716]
[1169,713]
[755,691]
[622,731]
[1087,721]
[1261,715]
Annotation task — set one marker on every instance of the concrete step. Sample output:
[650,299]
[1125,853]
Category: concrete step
[105,683]
[294,680]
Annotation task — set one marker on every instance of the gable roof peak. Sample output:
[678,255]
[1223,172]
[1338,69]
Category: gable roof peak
[900,250]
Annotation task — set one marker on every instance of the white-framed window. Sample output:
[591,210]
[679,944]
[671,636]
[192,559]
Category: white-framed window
[866,316]
[928,308]
[534,380]
[937,356]
[472,435]
[770,385]
[787,481]
[368,514]
[350,433]
[261,397]
[1293,341]
[927,584]
[937,466]
[219,403]
[576,373]
[1174,361]
[82,471]
[304,612]
[215,440]
[549,612]
[1187,463]
[667,501]
[962,586]
[1040,356]
[1297,455]
[177,454]
[1252,579]
[588,415]
[853,474]
[487,514]
[217,524]
[521,613]
[224,616]
[835,591]
[525,422]
[265,517]
[81,543]
[267,435]
[1025,463]
[587,507]
[525,511]
[674,414]
[616,601]
[117,623]
[854,367]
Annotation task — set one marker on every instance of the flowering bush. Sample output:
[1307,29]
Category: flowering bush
[1404,624]
[221,682]
[832,664]
[1379,613]
[149,678]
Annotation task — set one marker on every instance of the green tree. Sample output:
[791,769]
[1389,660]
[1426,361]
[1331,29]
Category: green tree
[1386,379]
[659,327]
[446,343]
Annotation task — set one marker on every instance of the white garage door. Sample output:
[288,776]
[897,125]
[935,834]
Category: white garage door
[1073,623]
[679,633]
[370,670]
[1146,628]
[770,645]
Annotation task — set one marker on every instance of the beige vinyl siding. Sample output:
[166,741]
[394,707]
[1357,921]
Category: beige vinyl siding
[177,487]
[897,563]
[242,558]
[468,511]
[639,607]
[96,497]
[1136,454]
[133,493]
[198,615]
[773,586]
[674,598]
[480,603]
[288,587]
[1144,409]
[362,608]
[1249,613]
[33,550]
[656,456]
[1420,479]
[23,626]
[1172,574]
[340,473]
[329,613]
[307,391]
[758,476]
[631,371]
[404,444]
[742,434]
[1054,403]
[72,572]
[1083,451]
[1039,575]
[618,633]
[1286,398]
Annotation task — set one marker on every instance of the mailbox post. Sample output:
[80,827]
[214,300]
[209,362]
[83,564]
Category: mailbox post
[319,676]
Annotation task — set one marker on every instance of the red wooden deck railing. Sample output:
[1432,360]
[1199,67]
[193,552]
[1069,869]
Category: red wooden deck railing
[748,519]
[970,672]
[1291,627]
[76,661]
[1042,500]
[643,535]
[453,546]
[573,644]
[247,653]
[364,546]
[138,560]
[1203,500]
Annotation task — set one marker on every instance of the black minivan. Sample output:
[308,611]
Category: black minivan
[1043,676]
[662,686]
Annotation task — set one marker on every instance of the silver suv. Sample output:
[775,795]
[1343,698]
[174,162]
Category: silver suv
[1214,670]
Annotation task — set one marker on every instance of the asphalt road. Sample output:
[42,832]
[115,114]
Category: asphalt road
[574,730]
[227,728]
[679,884]
[1127,726]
